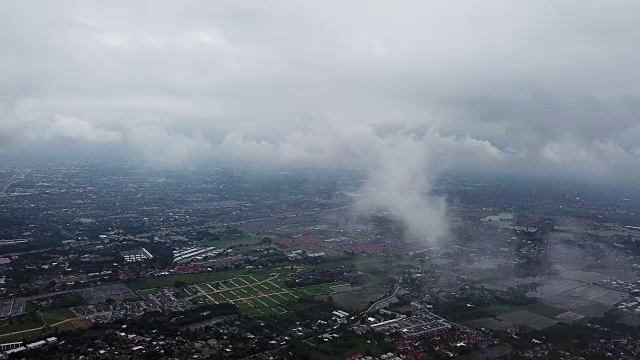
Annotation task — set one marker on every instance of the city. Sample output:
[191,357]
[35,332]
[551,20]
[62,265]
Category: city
[96,259]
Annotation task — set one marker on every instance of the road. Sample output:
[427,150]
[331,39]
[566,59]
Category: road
[393,294]
[38,328]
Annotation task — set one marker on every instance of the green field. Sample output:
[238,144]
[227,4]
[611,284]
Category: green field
[38,332]
[157,282]
[363,262]
[336,263]
[254,295]
[536,307]
[170,280]
[255,292]
[64,301]
[20,323]
[56,315]
[33,321]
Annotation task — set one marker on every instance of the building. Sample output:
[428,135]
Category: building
[136,255]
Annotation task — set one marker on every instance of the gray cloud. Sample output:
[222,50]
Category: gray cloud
[400,183]
[543,82]
[404,90]
[73,129]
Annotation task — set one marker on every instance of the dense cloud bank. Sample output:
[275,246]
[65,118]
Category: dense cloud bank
[404,89]
[550,84]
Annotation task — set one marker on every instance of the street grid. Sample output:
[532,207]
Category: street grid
[252,296]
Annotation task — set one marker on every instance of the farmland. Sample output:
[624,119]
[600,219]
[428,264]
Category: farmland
[253,295]
[169,280]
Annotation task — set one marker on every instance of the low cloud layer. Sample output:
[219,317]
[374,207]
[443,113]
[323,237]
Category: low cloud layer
[67,128]
[548,83]
[404,89]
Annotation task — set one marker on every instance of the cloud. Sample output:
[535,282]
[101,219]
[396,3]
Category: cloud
[400,165]
[357,144]
[603,159]
[28,120]
[529,82]
[399,182]
[237,146]
[162,149]
[72,129]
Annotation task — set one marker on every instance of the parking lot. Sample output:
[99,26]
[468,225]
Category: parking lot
[100,294]
[12,307]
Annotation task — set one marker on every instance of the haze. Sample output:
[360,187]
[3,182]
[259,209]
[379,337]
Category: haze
[542,88]
[546,83]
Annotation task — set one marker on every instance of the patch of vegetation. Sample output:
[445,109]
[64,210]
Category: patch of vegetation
[57,315]
[340,348]
[22,322]
[62,301]
[153,282]
[186,279]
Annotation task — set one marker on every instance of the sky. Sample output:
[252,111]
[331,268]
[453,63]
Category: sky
[525,86]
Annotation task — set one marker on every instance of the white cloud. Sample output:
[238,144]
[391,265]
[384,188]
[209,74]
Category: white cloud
[401,166]
[488,76]
[602,159]
[72,129]
[400,182]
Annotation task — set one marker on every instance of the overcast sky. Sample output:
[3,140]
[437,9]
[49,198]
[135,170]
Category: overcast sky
[551,85]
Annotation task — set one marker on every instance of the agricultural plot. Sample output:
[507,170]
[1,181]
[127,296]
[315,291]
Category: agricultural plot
[57,315]
[20,323]
[489,323]
[528,318]
[254,296]
[154,282]
[314,290]
[585,299]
